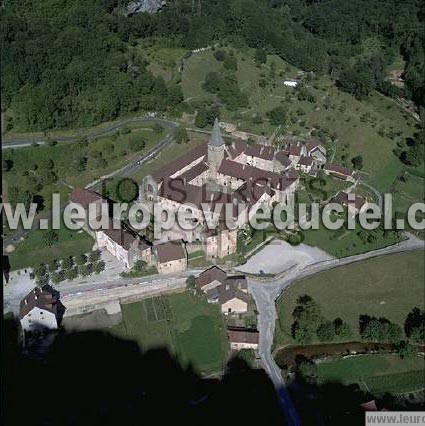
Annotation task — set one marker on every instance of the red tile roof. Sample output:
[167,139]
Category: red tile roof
[85,197]
[243,335]
[338,169]
[282,157]
[168,252]
[295,150]
[260,151]
[176,165]
[306,161]
[124,237]
[43,298]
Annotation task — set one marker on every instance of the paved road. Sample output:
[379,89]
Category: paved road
[266,292]
[378,195]
[125,171]
[102,292]
[22,141]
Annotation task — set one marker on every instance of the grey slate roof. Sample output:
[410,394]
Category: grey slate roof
[216,138]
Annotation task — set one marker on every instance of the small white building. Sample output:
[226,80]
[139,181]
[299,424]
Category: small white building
[39,309]
[290,83]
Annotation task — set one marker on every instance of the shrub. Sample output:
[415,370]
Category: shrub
[99,266]
[326,331]
[81,259]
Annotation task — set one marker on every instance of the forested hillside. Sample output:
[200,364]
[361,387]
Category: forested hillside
[77,63]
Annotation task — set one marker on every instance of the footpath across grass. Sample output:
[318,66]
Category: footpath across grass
[387,286]
[186,325]
[375,373]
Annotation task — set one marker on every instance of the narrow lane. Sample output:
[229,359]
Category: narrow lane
[266,292]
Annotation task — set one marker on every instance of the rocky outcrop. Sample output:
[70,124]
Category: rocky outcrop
[149,6]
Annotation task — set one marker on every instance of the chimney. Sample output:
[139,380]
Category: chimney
[26,302]
[35,297]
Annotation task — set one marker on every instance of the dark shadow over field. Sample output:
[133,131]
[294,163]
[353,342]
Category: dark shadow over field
[93,378]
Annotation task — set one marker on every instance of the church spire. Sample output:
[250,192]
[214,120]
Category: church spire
[216,138]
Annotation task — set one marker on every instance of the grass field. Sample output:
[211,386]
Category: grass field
[172,152]
[33,251]
[370,128]
[186,325]
[375,373]
[115,150]
[344,243]
[388,286]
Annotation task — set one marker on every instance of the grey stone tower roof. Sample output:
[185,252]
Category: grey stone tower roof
[216,139]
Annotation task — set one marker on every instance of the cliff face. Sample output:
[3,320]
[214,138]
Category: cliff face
[149,6]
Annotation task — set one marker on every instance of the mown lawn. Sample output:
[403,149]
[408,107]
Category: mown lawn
[186,325]
[387,286]
[375,373]
[33,251]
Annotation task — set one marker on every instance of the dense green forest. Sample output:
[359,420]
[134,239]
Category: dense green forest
[77,63]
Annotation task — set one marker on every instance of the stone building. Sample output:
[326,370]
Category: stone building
[242,338]
[40,309]
[171,257]
[124,245]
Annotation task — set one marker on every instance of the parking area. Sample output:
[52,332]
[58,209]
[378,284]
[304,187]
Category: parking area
[278,256]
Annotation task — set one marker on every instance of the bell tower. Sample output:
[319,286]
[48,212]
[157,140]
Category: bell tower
[215,151]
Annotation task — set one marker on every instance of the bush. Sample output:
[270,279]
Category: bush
[277,116]
[137,143]
[58,277]
[71,273]
[406,350]
[342,329]
[308,371]
[50,238]
[94,256]
[67,263]
[53,265]
[40,270]
[140,266]
[220,55]
[326,331]
[99,267]
[42,281]
[85,270]
[191,282]
[81,259]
